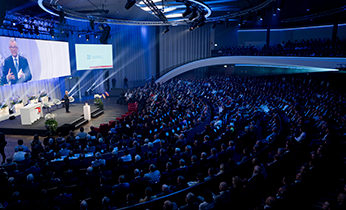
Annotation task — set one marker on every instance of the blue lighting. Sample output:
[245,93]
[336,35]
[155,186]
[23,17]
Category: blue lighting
[144,31]
[289,29]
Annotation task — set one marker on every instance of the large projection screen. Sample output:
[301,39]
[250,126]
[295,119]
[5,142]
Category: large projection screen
[94,56]
[24,60]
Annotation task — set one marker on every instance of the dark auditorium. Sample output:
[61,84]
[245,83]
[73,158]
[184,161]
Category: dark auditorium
[173,105]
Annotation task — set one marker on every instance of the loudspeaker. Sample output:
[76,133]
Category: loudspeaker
[3,5]
[12,117]
[105,34]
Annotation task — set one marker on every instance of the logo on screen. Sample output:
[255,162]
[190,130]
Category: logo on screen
[89,57]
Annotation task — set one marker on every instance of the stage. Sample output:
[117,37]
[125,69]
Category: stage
[66,121]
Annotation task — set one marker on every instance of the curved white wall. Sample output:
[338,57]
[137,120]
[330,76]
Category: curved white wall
[323,64]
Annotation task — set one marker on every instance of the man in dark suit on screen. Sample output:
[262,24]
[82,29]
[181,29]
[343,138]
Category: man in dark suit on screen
[16,68]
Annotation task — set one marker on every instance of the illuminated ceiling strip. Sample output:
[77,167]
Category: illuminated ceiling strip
[288,67]
[289,29]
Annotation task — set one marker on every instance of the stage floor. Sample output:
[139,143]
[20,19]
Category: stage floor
[15,126]
[112,110]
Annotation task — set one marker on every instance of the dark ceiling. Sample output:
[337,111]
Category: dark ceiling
[288,9]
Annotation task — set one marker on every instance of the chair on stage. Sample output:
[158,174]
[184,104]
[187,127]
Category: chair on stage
[56,102]
[47,106]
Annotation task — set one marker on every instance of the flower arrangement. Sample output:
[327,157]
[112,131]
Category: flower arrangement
[98,101]
[43,93]
[3,104]
[16,100]
[31,96]
[51,124]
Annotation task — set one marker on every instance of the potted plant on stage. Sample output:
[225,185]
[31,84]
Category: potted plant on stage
[51,124]
[43,96]
[4,109]
[98,101]
[32,98]
[17,103]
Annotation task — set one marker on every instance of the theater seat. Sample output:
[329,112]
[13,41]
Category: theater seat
[112,123]
[103,129]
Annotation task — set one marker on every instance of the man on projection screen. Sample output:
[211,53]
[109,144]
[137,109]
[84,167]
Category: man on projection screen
[16,68]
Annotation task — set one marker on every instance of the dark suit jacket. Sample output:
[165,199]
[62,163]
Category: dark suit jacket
[139,183]
[63,199]
[23,64]
[101,191]
[194,206]
[222,198]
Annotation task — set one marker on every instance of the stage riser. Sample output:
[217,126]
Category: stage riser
[66,121]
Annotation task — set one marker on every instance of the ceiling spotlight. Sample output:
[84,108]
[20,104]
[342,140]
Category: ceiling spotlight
[92,24]
[214,25]
[36,31]
[20,28]
[96,36]
[79,35]
[166,29]
[261,18]
[51,32]
[278,9]
[193,14]
[87,37]
[129,4]
[200,21]
[61,17]
[187,10]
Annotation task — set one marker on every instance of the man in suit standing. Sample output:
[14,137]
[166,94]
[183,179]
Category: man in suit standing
[16,68]
[67,101]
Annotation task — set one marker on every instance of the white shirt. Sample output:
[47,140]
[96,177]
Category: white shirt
[127,158]
[19,156]
[15,64]
[301,137]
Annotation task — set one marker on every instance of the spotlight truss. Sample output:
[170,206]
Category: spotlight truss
[54,8]
[315,15]
[151,5]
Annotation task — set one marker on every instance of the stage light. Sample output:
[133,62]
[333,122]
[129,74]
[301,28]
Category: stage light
[200,20]
[92,24]
[278,9]
[87,37]
[261,18]
[51,32]
[105,34]
[129,4]
[96,36]
[166,29]
[187,10]
[61,17]
[214,25]
[79,35]
[36,31]
[20,28]
[193,14]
